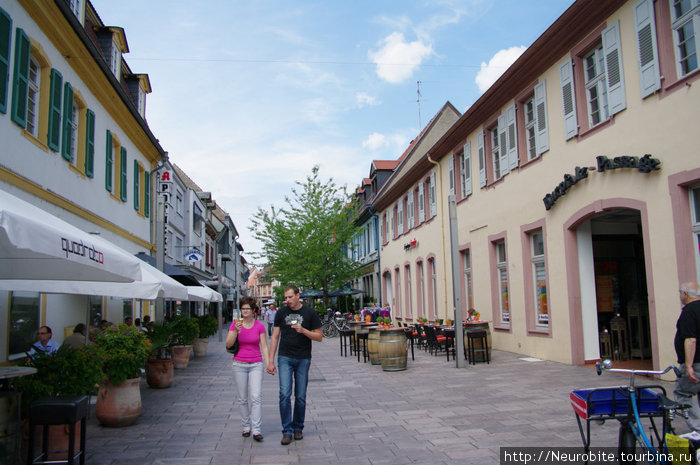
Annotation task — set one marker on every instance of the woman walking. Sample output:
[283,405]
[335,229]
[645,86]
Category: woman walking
[248,366]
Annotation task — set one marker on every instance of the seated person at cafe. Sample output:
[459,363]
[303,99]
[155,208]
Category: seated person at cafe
[77,339]
[44,344]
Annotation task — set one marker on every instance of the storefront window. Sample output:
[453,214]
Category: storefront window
[24,321]
[501,266]
[540,278]
[128,309]
[469,301]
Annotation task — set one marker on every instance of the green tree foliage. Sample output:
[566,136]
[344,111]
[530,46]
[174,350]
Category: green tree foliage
[306,241]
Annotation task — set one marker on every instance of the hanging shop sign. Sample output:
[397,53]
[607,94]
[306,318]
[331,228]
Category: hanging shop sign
[410,245]
[645,164]
[194,255]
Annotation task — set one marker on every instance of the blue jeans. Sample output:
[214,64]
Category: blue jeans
[297,370]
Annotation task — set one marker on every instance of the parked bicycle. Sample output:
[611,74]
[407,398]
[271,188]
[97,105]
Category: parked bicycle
[332,325]
[630,404]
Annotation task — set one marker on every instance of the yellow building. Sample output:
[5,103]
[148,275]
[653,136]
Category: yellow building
[577,187]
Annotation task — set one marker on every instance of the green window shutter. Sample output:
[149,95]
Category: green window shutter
[109,162]
[55,110]
[122,175]
[147,193]
[67,148]
[5,38]
[20,79]
[89,143]
[137,179]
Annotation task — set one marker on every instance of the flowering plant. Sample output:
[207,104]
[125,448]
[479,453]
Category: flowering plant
[473,315]
[125,350]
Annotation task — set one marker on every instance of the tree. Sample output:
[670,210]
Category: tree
[306,241]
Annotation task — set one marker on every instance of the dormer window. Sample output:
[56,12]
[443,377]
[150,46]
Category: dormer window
[115,60]
[76,6]
[139,86]
[113,43]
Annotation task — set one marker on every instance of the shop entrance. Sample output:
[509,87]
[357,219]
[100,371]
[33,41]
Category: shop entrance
[621,288]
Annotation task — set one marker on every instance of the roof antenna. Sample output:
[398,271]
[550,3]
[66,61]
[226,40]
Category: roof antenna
[419,96]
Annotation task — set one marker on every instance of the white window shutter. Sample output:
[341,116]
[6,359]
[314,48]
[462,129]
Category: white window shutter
[482,158]
[451,172]
[566,78]
[399,214]
[504,164]
[411,211]
[467,167]
[512,137]
[541,131]
[391,223]
[647,52]
[613,68]
[433,204]
[421,202]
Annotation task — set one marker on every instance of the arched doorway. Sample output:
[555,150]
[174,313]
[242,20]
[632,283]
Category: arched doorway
[609,292]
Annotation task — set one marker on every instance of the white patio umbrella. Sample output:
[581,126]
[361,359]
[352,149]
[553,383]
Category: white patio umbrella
[153,284]
[37,245]
[203,293]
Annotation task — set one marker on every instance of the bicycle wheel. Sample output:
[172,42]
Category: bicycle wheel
[326,329]
[332,331]
[627,443]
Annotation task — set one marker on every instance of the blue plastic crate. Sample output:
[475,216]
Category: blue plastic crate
[611,401]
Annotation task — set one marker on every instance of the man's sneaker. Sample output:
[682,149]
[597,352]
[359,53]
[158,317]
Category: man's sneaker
[286,439]
[298,435]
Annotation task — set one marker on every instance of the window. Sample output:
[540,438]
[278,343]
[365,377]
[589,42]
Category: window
[433,287]
[23,322]
[70,126]
[534,122]
[597,79]
[146,194]
[495,153]
[397,278]
[502,273]
[410,212]
[76,6]
[421,203]
[685,22]
[431,195]
[197,219]
[137,186]
[695,221]
[391,223]
[115,60]
[89,142]
[409,290]
[5,39]
[122,174]
[421,290]
[55,110]
[539,275]
[109,161]
[95,305]
[468,297]
[178,202]
[33,97]
[451,173]
[482,158]
[465,170]
[127,309]
[503,140]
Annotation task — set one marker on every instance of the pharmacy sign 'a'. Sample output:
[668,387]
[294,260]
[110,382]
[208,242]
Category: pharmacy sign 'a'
[194,255]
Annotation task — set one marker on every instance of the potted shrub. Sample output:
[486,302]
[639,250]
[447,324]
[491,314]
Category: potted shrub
[160,371]
[66,372]
[207,327]
[125,351]
[185,330]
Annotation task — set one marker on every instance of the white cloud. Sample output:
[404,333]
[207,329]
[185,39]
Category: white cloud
[397,59]
[496,66]
[363,99]
[375,141]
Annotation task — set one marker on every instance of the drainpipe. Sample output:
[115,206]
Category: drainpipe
[442,232]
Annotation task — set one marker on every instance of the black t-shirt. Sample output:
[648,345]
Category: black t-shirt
[293,344]
[688,327]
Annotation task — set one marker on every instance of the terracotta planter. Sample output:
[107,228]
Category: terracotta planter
[119,405]
[160,373]
[200,346]
[180,355]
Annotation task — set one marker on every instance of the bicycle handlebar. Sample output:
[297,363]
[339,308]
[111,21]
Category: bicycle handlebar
[606,365]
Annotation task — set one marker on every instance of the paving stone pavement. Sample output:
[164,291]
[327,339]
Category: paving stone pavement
[433,413]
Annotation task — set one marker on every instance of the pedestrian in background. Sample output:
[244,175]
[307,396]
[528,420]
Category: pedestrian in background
[296,325]
[688,352]
[270,319]
[248,366]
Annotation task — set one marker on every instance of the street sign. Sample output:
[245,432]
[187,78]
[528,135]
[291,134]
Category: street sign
[194,255]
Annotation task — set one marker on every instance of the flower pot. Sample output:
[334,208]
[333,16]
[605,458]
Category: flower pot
[200,346]
[119,405]
[180,355]
[160,373]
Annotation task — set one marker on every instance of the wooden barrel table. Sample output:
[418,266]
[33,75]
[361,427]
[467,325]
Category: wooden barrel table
[373,345]
[393,352]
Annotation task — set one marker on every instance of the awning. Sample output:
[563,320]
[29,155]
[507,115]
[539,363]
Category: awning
[179,275]
[37,245]
[203,293]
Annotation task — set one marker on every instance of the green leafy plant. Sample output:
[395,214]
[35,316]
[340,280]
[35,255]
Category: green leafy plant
[125,351]
[380,319]
[66,372]
[185,330]
[207,326]
[161,337]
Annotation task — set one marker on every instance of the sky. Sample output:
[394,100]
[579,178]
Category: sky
[248,96]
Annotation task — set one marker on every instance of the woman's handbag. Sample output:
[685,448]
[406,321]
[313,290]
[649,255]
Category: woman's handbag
[234,348]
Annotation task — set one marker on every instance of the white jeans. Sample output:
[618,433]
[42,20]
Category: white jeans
[248,378]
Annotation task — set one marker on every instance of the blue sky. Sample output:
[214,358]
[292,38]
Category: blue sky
[249,95]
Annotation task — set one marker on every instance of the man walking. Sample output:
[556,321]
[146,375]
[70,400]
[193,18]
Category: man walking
[688,352]
[270,319]
[296,325]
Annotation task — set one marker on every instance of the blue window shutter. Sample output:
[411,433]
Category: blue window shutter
[54,135]
[647,51]
[89,143]
[5,38]
[146,193]
[122,175]
[20,79]
[67,146]
[568,99]
[614,75]
[541,131]
[109,162]
[137,180]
